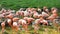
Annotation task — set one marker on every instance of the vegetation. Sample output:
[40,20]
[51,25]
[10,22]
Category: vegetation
[49,30]
[16,4]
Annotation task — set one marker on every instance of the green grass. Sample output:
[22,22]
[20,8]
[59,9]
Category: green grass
[50,30]
[16,4]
